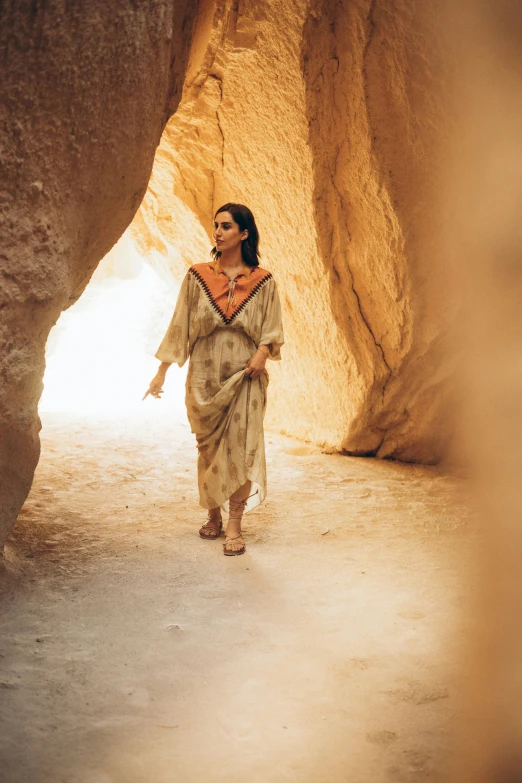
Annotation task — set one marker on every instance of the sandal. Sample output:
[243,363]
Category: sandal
[236,512]
[233,551]
[211,531]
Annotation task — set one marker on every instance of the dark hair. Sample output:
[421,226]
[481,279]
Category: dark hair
[245,220]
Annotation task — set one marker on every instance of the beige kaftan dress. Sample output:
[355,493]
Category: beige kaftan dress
[219,323]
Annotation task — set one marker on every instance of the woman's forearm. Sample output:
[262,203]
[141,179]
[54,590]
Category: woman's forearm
[164,366]
[265,350]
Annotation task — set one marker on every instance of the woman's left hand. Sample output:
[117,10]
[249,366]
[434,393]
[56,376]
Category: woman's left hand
[256,365]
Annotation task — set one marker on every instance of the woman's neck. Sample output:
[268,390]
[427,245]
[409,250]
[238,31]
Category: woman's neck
[233,259]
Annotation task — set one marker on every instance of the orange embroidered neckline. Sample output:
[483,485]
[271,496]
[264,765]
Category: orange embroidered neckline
[229,297]
[216,266]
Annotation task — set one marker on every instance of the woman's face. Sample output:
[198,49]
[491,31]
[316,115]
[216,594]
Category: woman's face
[227,234]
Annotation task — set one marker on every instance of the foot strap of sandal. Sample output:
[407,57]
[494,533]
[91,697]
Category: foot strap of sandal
[243,502]
[232,538]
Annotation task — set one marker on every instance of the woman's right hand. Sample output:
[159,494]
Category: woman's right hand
[155,389]
[256,364]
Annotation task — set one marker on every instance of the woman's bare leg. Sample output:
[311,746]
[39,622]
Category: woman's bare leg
[234,522]
[214,514]
[243,492]
[213,523]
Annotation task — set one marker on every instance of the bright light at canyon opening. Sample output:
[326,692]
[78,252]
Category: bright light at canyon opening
[100,354]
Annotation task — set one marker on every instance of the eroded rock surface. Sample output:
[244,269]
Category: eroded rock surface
[378,93]
[326,120]
[85,93]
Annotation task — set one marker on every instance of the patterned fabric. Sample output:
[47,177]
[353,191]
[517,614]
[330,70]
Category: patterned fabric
[228,297]
[220,326]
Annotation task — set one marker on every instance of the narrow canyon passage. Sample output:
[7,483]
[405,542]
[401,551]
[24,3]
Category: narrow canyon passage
[133,650]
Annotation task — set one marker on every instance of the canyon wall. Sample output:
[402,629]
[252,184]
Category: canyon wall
[328,120]
[331,121]
[85,93]
[485,231]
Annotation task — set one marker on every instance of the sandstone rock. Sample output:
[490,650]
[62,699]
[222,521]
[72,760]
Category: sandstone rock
[485,230]
[326,120]
[85,93]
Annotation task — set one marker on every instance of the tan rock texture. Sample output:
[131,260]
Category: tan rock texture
[325,118]
[485,228]
[85,92]
[377,78]
[328,119]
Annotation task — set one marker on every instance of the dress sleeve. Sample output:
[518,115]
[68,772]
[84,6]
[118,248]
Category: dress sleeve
[272,328]
[175,345]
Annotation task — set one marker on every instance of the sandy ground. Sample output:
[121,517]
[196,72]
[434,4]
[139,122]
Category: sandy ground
[134,651]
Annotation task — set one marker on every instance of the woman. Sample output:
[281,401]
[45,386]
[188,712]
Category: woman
[228,320]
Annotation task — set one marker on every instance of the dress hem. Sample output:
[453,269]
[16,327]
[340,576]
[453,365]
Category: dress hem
[257,495]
